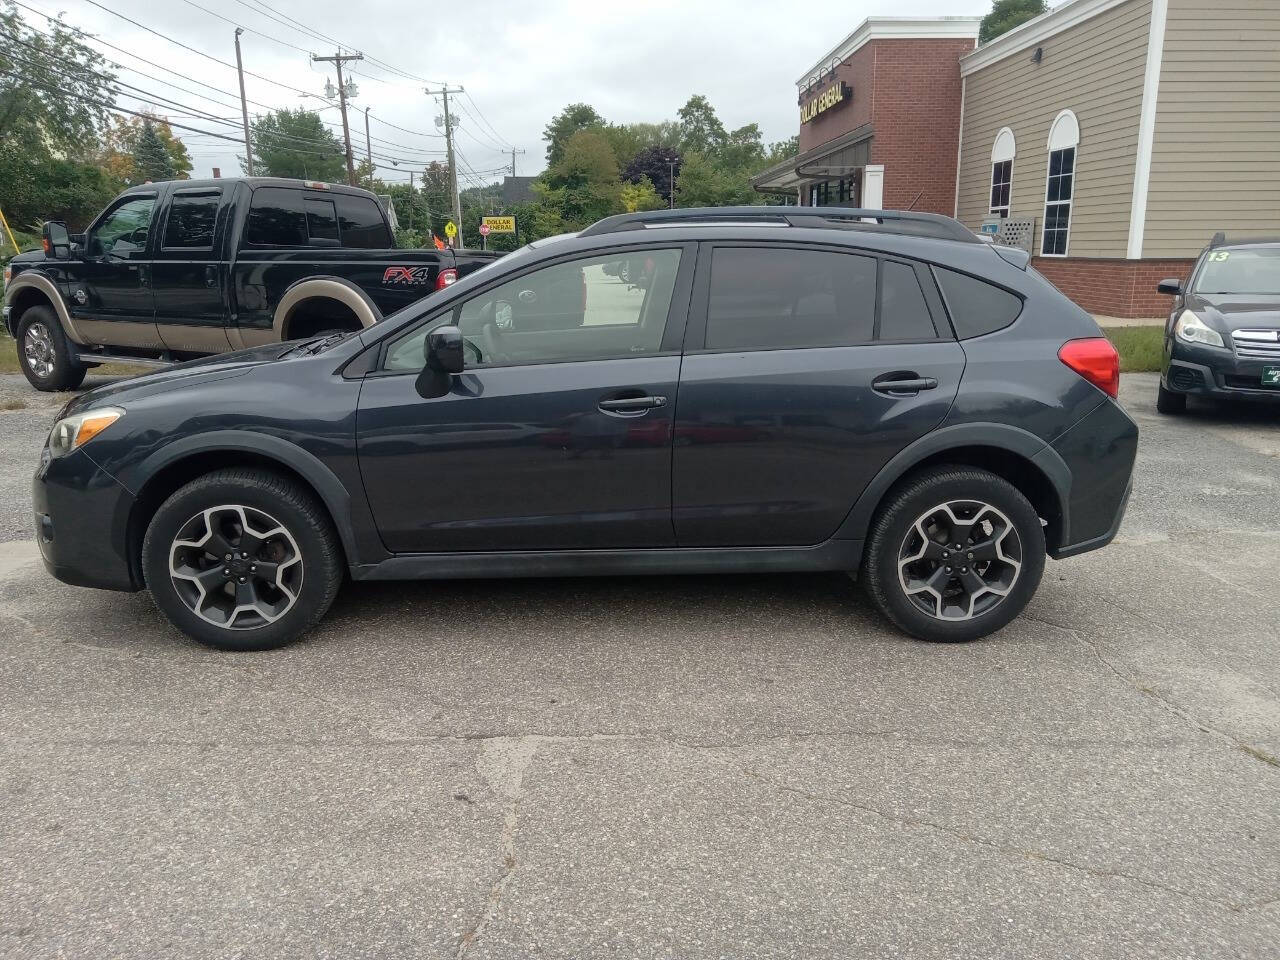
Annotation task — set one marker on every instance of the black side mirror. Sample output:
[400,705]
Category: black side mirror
[443,354]
[55,240]
[444,349]
[1171,287]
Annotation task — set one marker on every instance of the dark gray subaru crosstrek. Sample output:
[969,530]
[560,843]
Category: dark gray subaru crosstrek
[770,389]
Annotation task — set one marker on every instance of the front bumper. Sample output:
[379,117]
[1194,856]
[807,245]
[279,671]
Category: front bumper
[1215,372]
[82,523]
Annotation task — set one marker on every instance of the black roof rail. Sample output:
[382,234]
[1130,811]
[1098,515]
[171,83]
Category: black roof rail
[830,218]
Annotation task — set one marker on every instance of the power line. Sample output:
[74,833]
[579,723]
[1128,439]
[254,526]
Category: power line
[256,33]
[492,129]
[201,53]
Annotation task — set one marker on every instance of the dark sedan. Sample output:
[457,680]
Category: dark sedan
[1223,336]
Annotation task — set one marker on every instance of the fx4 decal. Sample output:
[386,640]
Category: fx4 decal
[410,275]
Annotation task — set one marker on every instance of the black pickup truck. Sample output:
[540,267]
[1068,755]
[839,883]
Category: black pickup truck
[186,268]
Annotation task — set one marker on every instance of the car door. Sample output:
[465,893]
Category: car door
[553,438]
[806,369]
[189,272]
[109,293]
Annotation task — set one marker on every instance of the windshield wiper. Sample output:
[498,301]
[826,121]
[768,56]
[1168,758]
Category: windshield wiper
[315,345]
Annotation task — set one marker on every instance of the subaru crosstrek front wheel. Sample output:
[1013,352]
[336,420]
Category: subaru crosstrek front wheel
[242,559]
[955,554]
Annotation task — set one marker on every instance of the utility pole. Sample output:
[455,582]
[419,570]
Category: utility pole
[514,151]
[443,93]
[368,149]
[338,60]
[671,183]
[244,107]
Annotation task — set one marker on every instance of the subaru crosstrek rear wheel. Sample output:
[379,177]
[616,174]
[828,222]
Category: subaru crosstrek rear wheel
[955,554]
[242,560]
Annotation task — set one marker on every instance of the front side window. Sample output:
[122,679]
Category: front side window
[1064,137]
[778,299]
[1240,270]
[599,308]
[191,221]
[125,229]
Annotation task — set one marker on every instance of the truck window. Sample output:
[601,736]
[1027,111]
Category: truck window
[322,221]
[191,220]
[276,219]
[124,231]
[362,223]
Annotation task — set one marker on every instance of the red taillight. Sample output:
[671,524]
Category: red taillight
[446,278]
[1096,360]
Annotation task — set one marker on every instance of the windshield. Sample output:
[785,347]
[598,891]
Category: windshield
[1253,270]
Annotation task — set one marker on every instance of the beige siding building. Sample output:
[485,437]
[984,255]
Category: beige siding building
[1114,137]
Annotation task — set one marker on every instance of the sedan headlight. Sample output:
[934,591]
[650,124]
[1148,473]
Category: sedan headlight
[71,433]
[1191,329]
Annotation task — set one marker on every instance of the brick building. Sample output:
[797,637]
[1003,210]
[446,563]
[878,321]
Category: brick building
[1110,138]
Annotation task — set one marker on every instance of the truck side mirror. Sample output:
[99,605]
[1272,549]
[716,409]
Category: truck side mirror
[1171,287]
[55,240]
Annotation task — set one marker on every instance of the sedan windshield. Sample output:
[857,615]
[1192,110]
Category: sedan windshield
[1251,270]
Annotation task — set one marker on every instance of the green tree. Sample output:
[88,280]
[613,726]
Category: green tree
[296,143]
[1007,14]
[640,195]
[705,183]
[574,117]
[583,185]
[54,90]
[150,158]
[120,141]
[700,129]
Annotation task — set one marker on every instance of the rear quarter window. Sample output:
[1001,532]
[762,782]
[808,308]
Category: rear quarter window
[362,223]
[276,219]
[976,307]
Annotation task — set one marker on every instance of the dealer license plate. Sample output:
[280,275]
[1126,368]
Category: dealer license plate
[1271,376]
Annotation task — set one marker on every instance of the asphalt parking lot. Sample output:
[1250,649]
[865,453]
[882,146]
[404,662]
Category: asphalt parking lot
[696,767]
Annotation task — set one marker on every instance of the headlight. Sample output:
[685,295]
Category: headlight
[1192,329]
[70,433]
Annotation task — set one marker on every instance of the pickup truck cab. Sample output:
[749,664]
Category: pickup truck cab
[186,268]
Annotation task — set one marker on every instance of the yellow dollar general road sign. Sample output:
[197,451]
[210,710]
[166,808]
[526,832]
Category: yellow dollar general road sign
[500,224]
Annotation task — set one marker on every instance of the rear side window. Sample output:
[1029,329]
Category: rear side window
[322,221]
[276,219]
[976,307]
[191,220]
[778,299]
[904,312]
[362,223]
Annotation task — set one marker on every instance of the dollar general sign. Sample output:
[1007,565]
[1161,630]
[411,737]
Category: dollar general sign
[832,96]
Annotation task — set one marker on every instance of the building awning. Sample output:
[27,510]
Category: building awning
[842,157]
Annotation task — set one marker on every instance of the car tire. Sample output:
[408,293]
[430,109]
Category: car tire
[1169,402]
[265,595]
[933,591]
[45,354]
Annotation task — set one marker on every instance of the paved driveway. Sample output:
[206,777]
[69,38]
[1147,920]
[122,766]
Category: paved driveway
[700,767]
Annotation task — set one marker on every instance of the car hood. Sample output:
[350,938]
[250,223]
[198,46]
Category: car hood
[1227,312]
[30,256]
[217,367]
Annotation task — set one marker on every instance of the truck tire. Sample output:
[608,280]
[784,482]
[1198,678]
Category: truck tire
[45,353]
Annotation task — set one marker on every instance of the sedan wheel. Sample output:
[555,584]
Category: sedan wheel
[236,567]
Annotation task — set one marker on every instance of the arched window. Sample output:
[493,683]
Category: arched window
[1064,138]
[1002,153]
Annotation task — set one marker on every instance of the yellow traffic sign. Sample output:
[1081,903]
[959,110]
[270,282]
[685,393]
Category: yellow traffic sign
[500,224]
[450,229]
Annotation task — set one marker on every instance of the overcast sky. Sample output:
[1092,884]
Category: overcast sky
[520,63]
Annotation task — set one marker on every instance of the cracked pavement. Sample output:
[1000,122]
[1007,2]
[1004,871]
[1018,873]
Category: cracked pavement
[667,767]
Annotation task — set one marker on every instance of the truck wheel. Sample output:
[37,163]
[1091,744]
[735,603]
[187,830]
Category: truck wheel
[242,559]
[44,352]
[955,554]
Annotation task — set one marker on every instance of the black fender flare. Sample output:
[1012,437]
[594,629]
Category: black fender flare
[1001,436]
[333,494]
